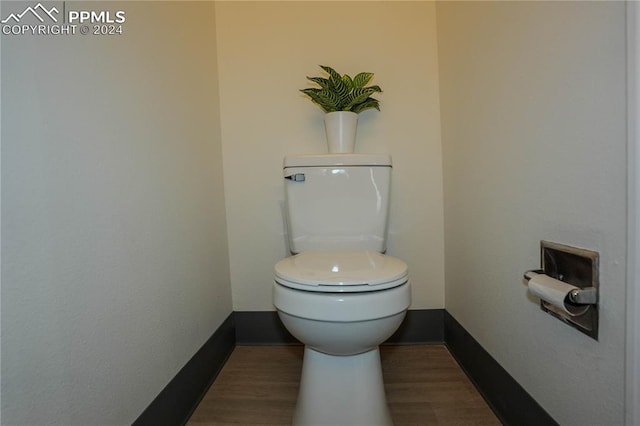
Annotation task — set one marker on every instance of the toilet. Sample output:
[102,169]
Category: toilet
[338,293]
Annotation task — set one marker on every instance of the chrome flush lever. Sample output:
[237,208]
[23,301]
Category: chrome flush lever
[297,177]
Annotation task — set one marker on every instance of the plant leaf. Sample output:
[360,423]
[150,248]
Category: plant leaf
[333,73]
[347,81]
[368,104]
[360,80]
[330,99]
[322,82]
[358,96]
[341,89]
[327,100]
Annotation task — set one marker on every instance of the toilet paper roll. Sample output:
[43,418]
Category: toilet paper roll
[556,293]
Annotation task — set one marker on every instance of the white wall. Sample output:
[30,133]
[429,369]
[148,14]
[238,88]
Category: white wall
[265,50]
[533,131]
[115,263]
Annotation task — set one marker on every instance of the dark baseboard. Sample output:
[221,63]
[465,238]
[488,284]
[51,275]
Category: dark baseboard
[509,401]
[177,401]
[261,328]
[265,328]
[420,326]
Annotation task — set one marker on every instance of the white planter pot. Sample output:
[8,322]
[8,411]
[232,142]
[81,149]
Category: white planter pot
[340,127]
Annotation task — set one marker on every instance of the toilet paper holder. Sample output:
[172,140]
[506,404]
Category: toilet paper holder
[580,296]
[579,268]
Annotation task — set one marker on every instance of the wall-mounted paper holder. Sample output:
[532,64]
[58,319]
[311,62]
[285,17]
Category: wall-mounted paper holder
[570,267]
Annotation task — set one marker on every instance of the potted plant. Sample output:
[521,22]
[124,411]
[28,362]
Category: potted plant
[342,98]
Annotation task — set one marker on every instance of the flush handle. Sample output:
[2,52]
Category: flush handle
[297,177]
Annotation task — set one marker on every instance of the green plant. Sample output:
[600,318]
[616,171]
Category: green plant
[343,93]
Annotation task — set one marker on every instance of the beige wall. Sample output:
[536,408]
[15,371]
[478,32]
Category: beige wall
[533,125]
[265,50]
[114,255]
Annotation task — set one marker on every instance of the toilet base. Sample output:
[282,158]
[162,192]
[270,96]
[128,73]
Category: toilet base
[341,390]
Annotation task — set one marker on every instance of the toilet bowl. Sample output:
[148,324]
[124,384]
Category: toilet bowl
[341,305]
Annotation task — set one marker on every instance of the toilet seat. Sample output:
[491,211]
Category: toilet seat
[341,271]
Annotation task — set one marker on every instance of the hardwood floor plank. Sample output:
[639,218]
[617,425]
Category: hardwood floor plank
[424,386]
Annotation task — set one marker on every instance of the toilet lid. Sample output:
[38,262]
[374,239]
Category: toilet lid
[341,271]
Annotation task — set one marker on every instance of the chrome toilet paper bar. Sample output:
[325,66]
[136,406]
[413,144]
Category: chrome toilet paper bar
[580,296]
[584,296]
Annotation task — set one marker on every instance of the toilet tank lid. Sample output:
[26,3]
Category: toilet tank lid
[324,160]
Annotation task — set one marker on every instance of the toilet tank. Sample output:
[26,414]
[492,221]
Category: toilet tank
[337,201]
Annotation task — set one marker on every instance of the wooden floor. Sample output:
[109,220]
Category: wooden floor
[424,386]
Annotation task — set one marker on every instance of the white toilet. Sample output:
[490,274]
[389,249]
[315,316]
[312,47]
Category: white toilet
[339,294]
